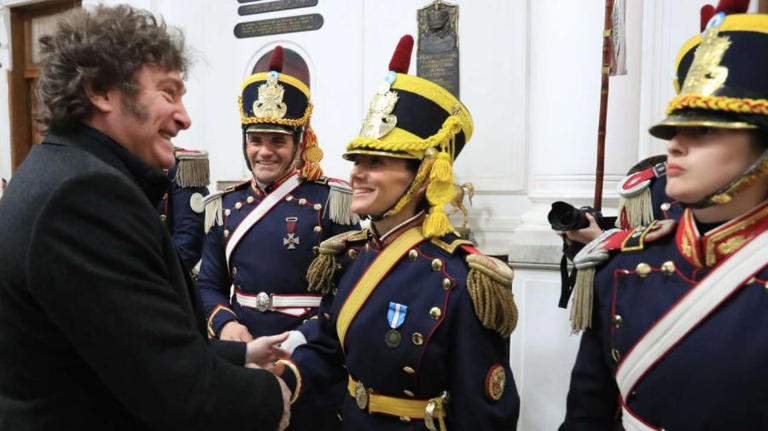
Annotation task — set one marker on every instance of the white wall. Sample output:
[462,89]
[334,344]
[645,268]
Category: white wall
[530,76]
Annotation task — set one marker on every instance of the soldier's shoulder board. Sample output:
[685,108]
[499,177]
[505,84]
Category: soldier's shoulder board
[618,240]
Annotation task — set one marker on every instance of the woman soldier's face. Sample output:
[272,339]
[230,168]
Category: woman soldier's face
[701,160]
[377,183]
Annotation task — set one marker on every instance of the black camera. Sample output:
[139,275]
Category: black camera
[564,216]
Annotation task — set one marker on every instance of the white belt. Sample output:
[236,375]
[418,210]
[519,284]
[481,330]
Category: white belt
[295,305]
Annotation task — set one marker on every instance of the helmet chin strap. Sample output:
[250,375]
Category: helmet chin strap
[744,181]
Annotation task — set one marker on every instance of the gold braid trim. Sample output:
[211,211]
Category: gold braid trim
[719,103]
[451,126]
[322,269]
[274,120]
[489,283]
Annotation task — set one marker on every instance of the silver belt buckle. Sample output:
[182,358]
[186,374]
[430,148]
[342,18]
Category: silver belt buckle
[263,301]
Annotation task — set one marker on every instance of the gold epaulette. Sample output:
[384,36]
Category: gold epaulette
[193,168]
[489,283]
[322,269]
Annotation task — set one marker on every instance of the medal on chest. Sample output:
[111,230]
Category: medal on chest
[395,318]
[291,239]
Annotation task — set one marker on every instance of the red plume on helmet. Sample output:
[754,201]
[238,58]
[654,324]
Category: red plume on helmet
[401,59]
[276,60]
[730,7]
[707,11]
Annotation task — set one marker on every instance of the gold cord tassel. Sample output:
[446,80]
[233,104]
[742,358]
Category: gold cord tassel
[440,191]
[322,269]
[491,295]
[638,210]
[311,156]
[320,273]
[581,305]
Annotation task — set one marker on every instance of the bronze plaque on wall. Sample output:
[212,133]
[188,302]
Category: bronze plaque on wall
[291,24]
[273,6]
[437,57]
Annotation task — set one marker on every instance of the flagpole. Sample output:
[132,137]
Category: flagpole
[605,71]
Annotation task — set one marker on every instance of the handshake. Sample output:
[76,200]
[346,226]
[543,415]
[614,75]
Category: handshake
[264,352]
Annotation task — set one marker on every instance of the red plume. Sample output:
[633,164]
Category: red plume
[276,60]
[707,11]
[401,59]
[732,6]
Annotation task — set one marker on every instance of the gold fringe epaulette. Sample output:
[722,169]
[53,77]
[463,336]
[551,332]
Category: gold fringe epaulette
[489,284]
[322,269]
[194,168]
[339,200]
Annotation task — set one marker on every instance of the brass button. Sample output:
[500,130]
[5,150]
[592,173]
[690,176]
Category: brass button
[437,265]
[643,269]
[226,233]
[318,229]
[417,338]
[352,253]
[238,205]
[435,313]
[315,250]
[616,320]
[405,419]
[447,283]
[227,212]
[751,280]
[250,199]
[326,315]
[409,370]
[288,198]
[665,206]
[409,393]
[163,217]
[766,285]
[302,201]
[413,255]
[615,355]
[318,207]
[234,270]
[668,268]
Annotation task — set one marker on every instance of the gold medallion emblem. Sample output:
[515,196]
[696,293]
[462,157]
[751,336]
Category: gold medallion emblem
[380,120]
[494,383]
[270,102]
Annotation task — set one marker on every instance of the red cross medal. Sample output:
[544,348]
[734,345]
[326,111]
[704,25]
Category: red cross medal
[291,240]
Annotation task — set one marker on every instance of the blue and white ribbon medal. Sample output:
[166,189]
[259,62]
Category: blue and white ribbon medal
[395,318]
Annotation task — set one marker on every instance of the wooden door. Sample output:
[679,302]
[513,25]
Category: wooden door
[28,24]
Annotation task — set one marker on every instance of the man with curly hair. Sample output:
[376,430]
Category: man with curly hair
[102,327]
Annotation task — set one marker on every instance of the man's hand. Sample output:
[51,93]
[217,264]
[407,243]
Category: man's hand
[585,235]
[264,351]
[286,405]
[234,331]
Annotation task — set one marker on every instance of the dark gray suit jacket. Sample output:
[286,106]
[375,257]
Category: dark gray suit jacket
[100,326]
